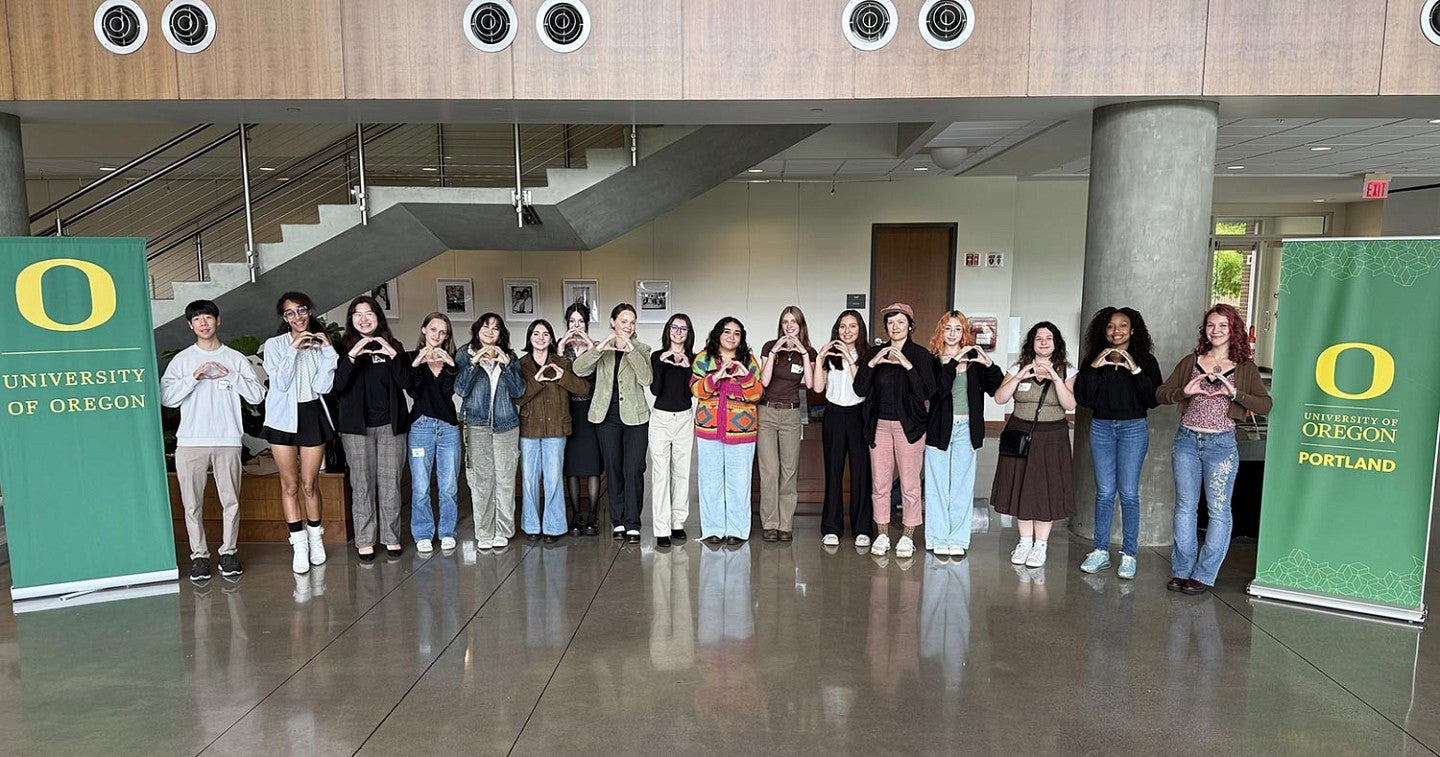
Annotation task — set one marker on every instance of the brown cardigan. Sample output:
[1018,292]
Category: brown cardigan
[1250,391]
[545,407]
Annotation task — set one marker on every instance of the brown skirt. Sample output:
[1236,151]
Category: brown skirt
[1037,487]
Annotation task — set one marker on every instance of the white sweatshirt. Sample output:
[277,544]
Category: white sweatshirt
[209,407]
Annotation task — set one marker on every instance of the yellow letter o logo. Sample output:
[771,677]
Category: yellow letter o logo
[1382,377]
[31,301]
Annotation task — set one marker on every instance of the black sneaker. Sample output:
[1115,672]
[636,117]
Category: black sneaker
[662,542]
[200,569]
[617,533]
[230,566]
[679,534]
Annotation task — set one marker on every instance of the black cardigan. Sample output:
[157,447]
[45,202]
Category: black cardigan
[921,379]
[980,381]
[348,387]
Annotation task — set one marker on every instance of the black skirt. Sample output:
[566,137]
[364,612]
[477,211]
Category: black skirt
[582,449]
[312,428]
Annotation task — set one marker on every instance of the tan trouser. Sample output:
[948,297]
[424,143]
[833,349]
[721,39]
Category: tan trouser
[191,465]
[778,449]
[672,444]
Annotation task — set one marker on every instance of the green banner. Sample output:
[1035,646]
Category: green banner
[82,461]
[1350,456]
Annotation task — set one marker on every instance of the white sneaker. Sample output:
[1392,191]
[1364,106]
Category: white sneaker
[1127,567]
[1021,552]
[862,540]
[500,542]
[941,550]
[905,547]
[957,551]
[300,563]
[317,544]
[1037,555]
[830,540]
[447,542]
[881,545]
[424,546]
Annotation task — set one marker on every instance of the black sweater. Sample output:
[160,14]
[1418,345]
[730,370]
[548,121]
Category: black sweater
[1114,393]
[920,385]
[979,381]
[670,384]
[434,395]
[350,388]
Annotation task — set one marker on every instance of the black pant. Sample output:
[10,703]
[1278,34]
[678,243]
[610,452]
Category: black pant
[844,433]
[624,450]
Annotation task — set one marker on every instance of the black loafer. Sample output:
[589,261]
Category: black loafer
[632,538]
[1193,587]
[591,529]
[679,534]
[662,542]
[551,538]
[366,557]
[577,529]
[617,533]
[733,540]
[713,539]
[1176,584]
[532,537]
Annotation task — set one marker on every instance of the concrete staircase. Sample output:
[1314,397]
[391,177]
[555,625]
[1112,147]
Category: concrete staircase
[580,209]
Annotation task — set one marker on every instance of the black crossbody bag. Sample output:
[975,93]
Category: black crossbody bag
[1016,443]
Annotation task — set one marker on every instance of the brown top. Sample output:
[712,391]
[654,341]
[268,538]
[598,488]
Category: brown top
[545,406]
[1250,391]
[787,377]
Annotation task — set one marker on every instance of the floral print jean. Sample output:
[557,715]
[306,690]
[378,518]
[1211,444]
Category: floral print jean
[1211,461]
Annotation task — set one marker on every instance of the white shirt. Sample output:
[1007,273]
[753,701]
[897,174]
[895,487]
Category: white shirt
[840,388]
[209,407]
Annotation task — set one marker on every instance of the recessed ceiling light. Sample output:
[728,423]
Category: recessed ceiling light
[920,168]
[756,170]
[266,168]
[817,110]
[1322,201]
[1234,168]
[428,168]
[282,178]
[1320,149]
[1435,120]
[106,168]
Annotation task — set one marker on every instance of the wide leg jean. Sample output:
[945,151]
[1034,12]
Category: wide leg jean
[725,487]
[542,461]
[1117,448]
[950,490]
[434,446]
[1211,461]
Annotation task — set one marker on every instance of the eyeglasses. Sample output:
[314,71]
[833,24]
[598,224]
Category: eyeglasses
[299,312]
[678,327]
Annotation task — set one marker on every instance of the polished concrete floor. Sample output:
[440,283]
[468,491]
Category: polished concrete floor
[757,649]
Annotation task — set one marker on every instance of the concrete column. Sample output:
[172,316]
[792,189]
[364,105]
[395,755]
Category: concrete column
[14,210]
[1146,239]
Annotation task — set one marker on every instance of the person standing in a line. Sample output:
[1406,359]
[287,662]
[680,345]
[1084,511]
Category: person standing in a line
[672,431]
[787,371]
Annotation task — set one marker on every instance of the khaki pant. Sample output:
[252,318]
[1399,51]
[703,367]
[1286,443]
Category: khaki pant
[778,448]
[672,442]
[490,470]
[191,464]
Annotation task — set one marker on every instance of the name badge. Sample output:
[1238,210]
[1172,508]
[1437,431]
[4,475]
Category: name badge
[224,385]
[797,368]
[1025,386]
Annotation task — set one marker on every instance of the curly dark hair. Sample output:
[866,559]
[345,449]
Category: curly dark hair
[712,342]
[862,340]
[1095,339]
[301,300]
[1239,348]
[1058,360]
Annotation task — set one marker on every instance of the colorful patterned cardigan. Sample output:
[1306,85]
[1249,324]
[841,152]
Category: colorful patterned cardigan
[726,412]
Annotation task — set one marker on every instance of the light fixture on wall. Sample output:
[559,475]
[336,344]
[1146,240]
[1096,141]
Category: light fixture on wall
[949,158]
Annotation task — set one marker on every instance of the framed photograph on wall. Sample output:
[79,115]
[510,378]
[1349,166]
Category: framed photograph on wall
[388,295]
[652,296]
[584,291]
[456,298]
[522,298]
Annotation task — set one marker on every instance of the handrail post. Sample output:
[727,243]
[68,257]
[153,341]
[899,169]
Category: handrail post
[440,150]
[360,167]
[249,209]
[634,146]
[59,224]
[199,257]
[519,184]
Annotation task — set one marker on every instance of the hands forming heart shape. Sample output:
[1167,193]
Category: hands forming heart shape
[549,372]
[675,358]
[211,370]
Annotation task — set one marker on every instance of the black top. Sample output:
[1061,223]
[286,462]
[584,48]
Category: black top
[670,384]
[919,386]
[370,395]
[979,381]
[889,386]
[615,387]
[433,395]
[1114,393]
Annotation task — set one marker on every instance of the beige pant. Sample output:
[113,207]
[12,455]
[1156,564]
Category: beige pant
[490,470]
[672,447]
[778,449]
[191,465]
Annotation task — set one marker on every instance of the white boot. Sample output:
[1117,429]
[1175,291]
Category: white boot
[317,545]
[301,561]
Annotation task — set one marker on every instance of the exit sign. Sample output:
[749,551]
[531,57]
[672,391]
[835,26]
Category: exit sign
[1377,186]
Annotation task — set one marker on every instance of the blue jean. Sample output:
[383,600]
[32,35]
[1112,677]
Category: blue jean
[724,487]
[1118,449]
[950,489]
[434,445]
[542,458]
[1212,461]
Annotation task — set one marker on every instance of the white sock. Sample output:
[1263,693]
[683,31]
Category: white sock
[1027,540]
[1040,543]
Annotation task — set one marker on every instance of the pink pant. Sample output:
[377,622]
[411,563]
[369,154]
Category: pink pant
[891,448]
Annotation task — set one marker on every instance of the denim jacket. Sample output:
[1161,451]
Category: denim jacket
[472,383]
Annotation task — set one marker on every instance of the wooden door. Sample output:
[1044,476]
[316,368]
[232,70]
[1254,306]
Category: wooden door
[913,264]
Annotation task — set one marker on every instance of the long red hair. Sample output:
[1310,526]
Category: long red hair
[1239,346]
[937,341]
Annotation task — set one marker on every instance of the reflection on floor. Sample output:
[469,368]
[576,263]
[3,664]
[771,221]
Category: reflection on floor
[759,648]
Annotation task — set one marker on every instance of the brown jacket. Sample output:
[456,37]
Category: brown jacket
[1250,391]
[545,407]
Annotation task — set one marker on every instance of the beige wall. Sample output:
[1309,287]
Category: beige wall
[1364,219]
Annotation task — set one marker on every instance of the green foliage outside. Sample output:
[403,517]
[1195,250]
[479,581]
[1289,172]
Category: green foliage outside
[1231,228]
[1229,265]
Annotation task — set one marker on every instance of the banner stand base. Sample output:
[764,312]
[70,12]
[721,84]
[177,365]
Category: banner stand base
[72,589]
[1355,606]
